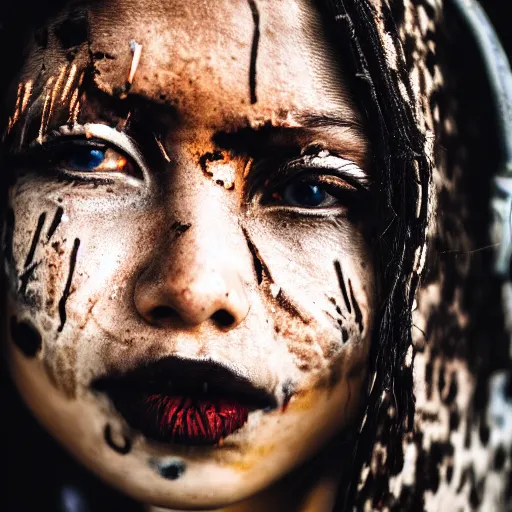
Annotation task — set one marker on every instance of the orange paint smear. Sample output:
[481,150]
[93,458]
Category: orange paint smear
[121,163]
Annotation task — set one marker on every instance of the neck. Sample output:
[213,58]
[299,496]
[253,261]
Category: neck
[313,487]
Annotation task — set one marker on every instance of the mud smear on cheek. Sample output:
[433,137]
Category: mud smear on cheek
[293,324]
[264,278]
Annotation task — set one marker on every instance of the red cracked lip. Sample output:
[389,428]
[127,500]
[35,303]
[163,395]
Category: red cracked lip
[183,401]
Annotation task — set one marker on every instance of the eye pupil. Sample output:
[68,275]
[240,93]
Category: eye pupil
[87,159]
[304,194]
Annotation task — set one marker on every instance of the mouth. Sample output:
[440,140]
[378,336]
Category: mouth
[184,402]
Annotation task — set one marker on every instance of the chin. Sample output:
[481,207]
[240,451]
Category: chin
[184,473]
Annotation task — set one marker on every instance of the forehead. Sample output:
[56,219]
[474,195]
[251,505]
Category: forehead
[201,56]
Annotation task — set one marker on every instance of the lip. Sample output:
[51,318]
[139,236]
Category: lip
[184,401]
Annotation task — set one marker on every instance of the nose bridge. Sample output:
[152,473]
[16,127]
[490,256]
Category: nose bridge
[194,276]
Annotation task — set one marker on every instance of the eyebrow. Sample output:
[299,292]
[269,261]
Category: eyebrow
[231,137]
[325,120]
[348,133]
[306,119]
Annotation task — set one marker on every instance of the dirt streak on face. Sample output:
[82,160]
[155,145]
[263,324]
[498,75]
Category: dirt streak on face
[191,182]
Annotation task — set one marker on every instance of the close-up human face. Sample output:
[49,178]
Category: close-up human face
[187,243]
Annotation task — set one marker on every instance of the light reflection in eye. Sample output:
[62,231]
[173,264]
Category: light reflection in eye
[314,190]
[317,181]
[309,194]
[84,158]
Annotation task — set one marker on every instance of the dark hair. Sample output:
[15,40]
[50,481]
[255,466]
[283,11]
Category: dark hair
[404,173]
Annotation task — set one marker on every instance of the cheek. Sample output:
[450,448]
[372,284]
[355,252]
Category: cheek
[319,284]
[61,261]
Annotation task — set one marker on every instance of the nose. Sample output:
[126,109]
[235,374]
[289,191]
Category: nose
[190,286]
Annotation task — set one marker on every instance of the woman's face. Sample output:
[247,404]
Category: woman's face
[191,290]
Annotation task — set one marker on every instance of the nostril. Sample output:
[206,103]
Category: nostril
[223,318]
[163,313]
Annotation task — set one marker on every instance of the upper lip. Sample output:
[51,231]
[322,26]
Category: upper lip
[173,375]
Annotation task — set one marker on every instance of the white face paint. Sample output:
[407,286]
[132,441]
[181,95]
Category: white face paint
[204,228]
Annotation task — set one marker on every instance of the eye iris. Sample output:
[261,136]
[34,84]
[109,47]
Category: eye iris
[304,194]
[87,160]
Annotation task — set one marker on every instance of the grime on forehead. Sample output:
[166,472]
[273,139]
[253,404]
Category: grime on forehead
[192,286]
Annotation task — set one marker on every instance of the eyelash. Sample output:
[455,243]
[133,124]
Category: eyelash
[339,179]
[341,186]
[120,154]
[113,160]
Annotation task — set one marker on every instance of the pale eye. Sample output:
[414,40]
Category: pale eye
[305,193]
[86,160]
[92,158]
[313,191]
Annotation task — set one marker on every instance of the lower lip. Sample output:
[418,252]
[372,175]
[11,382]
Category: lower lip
[184,420]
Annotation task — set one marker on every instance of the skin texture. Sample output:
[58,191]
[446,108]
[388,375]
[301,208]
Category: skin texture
[111,273]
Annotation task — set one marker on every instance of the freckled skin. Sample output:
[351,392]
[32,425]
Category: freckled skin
[179,240]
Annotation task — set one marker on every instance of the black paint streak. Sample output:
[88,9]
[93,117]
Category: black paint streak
[169,470]
[288,391]
[357,309]
[35,239]
[26,277]
[209,157]
[123,450]
[288,305]
[254,50]
[67,288]
[26,337]
[343,287]
[259,266]
[179,228]
[55,223]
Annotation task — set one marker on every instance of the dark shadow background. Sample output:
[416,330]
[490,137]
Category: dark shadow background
[40,475]
[499,12]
